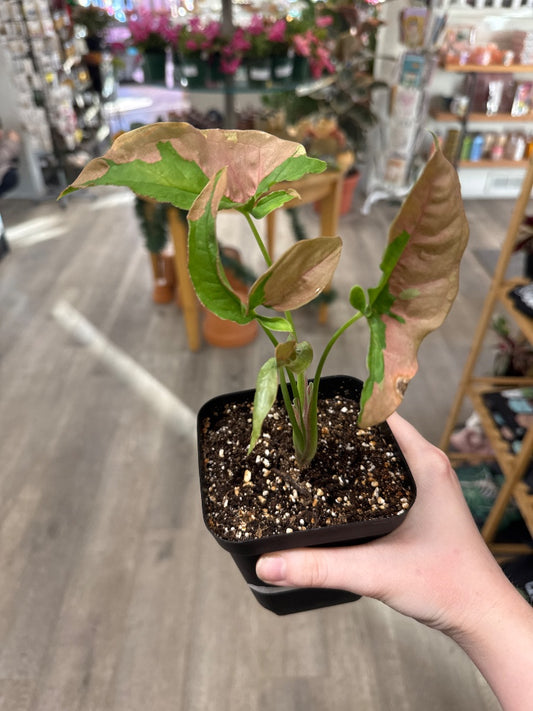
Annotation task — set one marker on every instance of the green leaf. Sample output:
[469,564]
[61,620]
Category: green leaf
[297,357]
[293,168]
[274,323]
[272,201]
[299,275]
[170,179]
[266,389]
[205,268]
[390,259]
[358,298]
[374,361]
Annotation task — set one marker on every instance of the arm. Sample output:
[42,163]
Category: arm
[436,568]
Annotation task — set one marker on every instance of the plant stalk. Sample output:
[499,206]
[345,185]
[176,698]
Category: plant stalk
[307,453]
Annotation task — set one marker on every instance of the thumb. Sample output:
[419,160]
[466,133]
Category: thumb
[321,568]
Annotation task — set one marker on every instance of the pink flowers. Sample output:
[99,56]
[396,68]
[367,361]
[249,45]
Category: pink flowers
[262,38]
[310,46]
[278,32]
[150,30]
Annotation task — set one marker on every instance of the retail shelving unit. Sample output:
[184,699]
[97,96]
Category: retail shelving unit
[513,466]
[478,119]
[492,22]
[45,91]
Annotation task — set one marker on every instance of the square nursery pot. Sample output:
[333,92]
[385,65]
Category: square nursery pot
[367,496]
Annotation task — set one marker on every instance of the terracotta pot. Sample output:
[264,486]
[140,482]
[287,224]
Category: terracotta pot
[246,551]
[164,277]
[222,333]
[349,185]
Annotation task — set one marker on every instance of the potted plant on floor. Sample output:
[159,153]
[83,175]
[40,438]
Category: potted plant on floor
[300,495]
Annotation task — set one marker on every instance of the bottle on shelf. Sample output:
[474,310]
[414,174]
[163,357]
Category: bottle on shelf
[476,152]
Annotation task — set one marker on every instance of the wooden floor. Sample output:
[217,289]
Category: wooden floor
[113,597]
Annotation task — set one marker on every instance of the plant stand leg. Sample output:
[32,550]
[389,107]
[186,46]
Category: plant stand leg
[189,303]
[329,220]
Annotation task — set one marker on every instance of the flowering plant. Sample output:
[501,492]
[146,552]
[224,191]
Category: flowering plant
[195,39]
[233,53]
[257,35]
[150,31]
[312,44]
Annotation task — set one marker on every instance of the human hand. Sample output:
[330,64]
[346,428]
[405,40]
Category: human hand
[435,567]
[13,136]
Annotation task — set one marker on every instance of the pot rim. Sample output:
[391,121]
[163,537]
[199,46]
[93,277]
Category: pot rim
[334,534]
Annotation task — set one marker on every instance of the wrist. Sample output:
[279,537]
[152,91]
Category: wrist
[498,637]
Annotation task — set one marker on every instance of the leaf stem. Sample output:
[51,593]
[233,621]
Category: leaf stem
[260,243]
[307,454]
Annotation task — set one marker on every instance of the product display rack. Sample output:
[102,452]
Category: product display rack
[480,119]
[493,22]
[46,90]
[514,466]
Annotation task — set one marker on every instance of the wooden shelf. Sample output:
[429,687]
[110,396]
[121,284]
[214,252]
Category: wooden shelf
[493,163]
[524,501]
[524,323]
[488,68]
[514,466]
[448,117]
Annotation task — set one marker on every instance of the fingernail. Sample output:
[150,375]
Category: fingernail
[271,568]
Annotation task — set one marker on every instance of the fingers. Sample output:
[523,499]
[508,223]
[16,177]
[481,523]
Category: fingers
[411,442]
[339,568]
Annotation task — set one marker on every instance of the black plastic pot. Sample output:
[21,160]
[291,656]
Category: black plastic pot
[245,553]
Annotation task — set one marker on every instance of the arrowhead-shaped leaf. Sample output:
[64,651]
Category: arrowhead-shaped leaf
[434,217]
[299,275]
[171,162]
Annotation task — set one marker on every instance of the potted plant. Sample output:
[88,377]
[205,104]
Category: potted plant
[151,34]
[204,171]
[94,21]
[258,56]
[343,98]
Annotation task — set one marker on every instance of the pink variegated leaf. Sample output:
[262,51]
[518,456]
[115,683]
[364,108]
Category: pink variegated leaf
[424,281]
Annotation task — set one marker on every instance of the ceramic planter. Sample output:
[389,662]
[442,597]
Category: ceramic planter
[301,71]
[282,68]
[193,72]
[259,71]
[154,66]
[246,552]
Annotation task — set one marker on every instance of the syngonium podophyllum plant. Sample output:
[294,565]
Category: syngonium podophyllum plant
[205,171]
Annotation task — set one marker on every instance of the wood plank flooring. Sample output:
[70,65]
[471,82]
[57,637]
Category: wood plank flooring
[113,597]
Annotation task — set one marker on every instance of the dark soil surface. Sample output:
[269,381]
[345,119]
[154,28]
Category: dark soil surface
[356,475]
